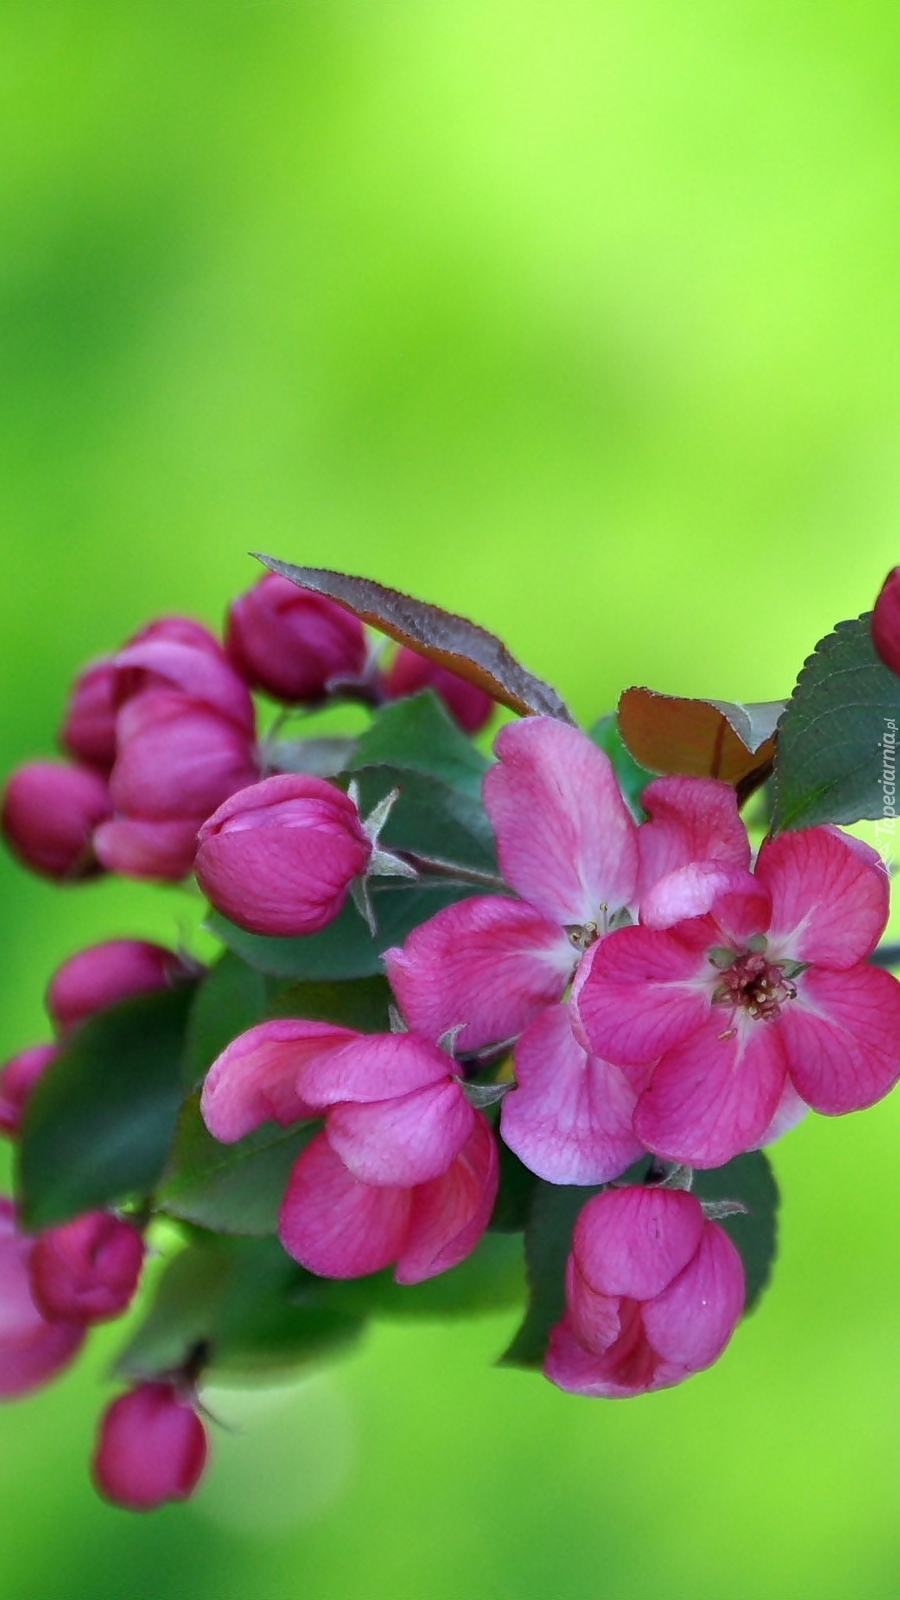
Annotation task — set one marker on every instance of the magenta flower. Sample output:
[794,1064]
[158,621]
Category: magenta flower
[653,1293]
[33,1348]
[18,1077]
[49,815]
[410,672]
[886,621]
[102,974]
[88,731]
[151,1447]
[742,992]
[293,644]
[280,856]
[86,1270]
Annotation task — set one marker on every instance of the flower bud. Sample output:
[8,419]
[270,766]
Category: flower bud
[151,1448]
[48,817]
[409,672]
[178,654]
[18,1077]
[653,1293]
[292,643]
[97,977]
[86,1270]
[89,727]
[886,621]
[280,856]
[32,1349]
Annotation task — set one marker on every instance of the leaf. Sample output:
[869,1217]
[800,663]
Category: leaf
[429,818]
[416,734]
[323,757]
[231,998]
[514,1195]
[548,1238]
[230,1188]
[747,1178]
[492,1278]
[631,776]
[451,641]
[831,759]
[363,1004]
[700,738]
[233,1301]
[100,1121]
[345,949]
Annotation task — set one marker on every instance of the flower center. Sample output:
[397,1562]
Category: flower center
[754,984]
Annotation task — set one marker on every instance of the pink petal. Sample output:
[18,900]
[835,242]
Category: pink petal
[376,1066]
[569,1118]
[690,1322]
[576,1369]
[336,1226]
[449,1215]
[257,1077]
[714,1095]
[403,1141]
[690,819]
[842,1037]
[595,1316]
[201,673]
[32,1349]
[488,963]
[829,901]
[739,905]
[640,991]
[790,1110]
[140,849]
[565,839]
[634,1241]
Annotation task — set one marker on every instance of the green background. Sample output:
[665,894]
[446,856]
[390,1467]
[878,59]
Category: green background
[582,319]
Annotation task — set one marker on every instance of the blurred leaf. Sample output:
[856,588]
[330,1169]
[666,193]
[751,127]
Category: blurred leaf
[100,1122]
[700,738]
[632,777]
[548,1238]
[418,735]
[429,818]
[231,998]
[230,1188]
[747,1178]
[323,757]
[362,1004]
[514,1195]
[345,949]
[492,1278]
[451,641]
[233,1299]
[830,763]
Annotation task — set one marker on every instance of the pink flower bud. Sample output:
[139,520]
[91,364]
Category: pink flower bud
[293,644]
[48,818]
[280,856]
[653,1293]
[86,1270]
[97,977]
[17,1079]
[151,1448]
[178,654]
[89,727]
[32,1349]
[409,672]
[886,621]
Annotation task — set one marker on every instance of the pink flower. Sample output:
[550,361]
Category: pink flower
[49,815]
[280,856]
[293,644]
[86,1270]
[18,1077]
[409,672]
[886,621]
[151,1448]
[89,726]
[742,992]
[653,1293]
[33,1348]
[102,974]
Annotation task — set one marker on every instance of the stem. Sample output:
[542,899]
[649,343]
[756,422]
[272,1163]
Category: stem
[452,869]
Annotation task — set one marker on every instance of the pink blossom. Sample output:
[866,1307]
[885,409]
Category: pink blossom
[409,672]
[258,1077]
[886,621]
[18,1077]
[86,1270]
[653,1293]
[102,974]
[33,1348]
[151,1447]
[746,991]
[88,731]
[291,643]
[280,856]
[179,655]
[48,817]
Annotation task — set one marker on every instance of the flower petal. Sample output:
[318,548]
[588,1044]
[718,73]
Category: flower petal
[829,900]
[714,1095]
[449,1215]
[842,1036]
[634,1241]
[565,839]
[256,1077]
[690,1322]
[639,991]
[333,1224]
[690,819]
[403,1141]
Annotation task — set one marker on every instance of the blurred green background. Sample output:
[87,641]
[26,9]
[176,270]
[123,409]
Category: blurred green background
[580,318]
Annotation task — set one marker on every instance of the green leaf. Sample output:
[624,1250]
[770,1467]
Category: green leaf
[230,1188]
[492,1278]
[632,777]
[831,760]
[345,949]
[514,1195]
[100,1122]
[548,1238]
[416,734]
[230,1304]
[231,998]
[363,1004]
[747,1178]
[429,818]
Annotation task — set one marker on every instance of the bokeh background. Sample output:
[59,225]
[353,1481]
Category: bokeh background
[580,317]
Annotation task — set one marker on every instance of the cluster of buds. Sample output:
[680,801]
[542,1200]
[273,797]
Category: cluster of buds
[616,990]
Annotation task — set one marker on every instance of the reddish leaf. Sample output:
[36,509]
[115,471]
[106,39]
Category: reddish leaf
[452,641]
[701,738]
